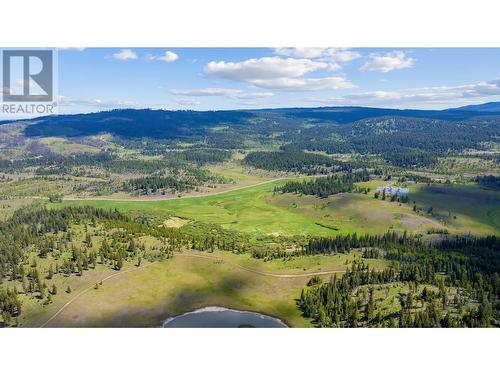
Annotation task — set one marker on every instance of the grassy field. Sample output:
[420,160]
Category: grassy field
[356,213]
[462,208]
[235,171]
[63,146]
[10,205]
[256,210]
[146,296]
[246,210]
[35,312]
[466,165]
[34,186]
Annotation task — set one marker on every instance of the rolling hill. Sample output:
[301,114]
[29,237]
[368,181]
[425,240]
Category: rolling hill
[163,124]
[485,107]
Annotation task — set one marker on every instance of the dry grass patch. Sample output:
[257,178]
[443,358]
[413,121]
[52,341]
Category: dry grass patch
[175,222]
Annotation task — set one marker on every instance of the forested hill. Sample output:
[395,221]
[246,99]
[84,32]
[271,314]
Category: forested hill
[344,115]
[133,123]
[485,107]
[137,123]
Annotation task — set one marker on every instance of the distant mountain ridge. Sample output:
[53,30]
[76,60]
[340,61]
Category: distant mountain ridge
[345,115]
[485,107]
[136,123]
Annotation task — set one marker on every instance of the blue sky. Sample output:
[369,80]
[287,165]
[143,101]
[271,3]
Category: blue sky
[230,78]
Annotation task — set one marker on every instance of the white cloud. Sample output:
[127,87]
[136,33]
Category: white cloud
[385,63]
[187,101]
[125,54]
[168,56]
[305,52]
[216,91]
[66,101]
[20,83]
[483,89]
[263,68]
[436,94]
[333,67]
[277,73]
[341,55]
[31,86]
[449,96]
[305,84]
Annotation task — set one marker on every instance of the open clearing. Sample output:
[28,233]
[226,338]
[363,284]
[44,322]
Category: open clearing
[246,210]
[465,209]
[175,222]
[146,296]
[63,146]
[350,213]
[256,210]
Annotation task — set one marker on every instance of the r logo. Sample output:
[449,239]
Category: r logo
[27,75]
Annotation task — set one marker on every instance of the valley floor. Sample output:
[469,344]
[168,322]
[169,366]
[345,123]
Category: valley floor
[145,296]
[255,209]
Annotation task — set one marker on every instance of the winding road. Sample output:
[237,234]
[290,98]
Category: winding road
[263,273]
[203,256]
[89,288]
[191,255]
[155,199]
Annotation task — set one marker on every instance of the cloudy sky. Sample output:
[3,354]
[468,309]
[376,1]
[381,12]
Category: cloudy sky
[204,79]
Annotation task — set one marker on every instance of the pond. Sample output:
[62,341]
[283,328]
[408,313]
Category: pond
[220,317]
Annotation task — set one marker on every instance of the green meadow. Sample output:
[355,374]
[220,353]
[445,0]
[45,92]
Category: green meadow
[256,210]
[247,210]
[146,296]
[465,209]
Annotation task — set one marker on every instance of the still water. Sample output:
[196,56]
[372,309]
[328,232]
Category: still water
[220,317]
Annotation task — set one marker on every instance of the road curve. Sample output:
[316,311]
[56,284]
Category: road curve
[156,199]
[89,288]
[202,256]
[264,273]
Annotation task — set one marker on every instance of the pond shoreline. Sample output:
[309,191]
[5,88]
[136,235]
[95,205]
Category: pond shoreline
[214,309]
